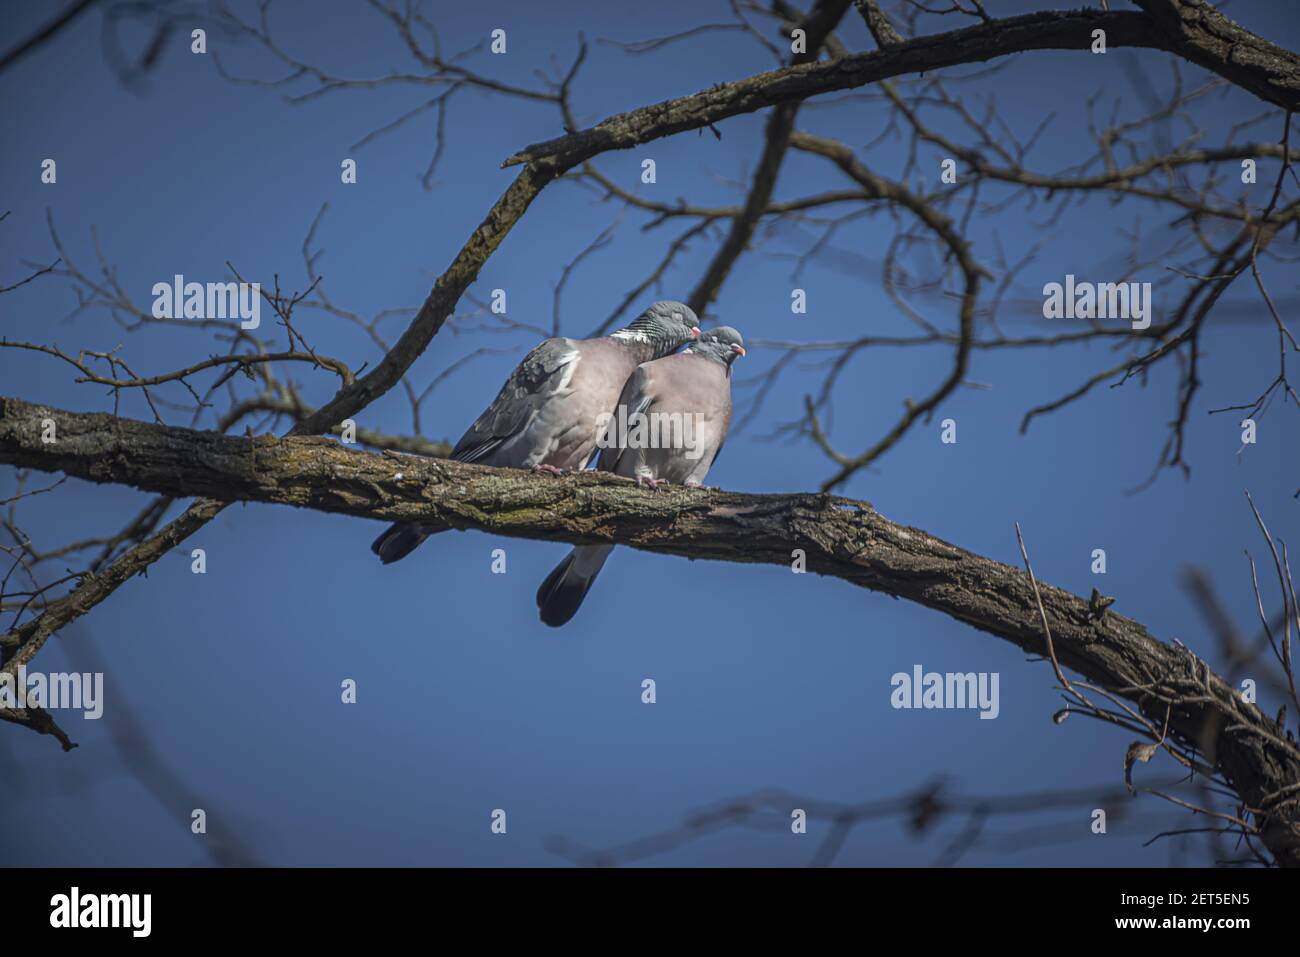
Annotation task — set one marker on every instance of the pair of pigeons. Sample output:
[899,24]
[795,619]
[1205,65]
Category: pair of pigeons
[548,417]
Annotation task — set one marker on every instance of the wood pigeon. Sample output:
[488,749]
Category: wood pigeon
[546,415]
[693,386]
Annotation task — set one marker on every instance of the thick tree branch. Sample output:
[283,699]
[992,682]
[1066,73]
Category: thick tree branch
[19,647]
[1204,36]
[1268,71]
[840,537]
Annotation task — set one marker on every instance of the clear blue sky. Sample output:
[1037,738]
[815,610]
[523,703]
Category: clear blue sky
[466,702]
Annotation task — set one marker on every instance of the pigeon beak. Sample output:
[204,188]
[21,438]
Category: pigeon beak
[738,350]
[695,332]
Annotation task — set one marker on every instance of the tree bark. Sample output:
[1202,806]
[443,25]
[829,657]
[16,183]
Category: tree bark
[1187,28]
[1197,32]
[840,537]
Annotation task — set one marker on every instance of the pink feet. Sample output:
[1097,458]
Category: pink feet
[548,469]
[707,488]
[652,483]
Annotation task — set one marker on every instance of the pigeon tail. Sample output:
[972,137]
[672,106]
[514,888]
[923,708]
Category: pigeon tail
[398,541]
[561,594]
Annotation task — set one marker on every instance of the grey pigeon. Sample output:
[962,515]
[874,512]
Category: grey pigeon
[683,405]
[546,415]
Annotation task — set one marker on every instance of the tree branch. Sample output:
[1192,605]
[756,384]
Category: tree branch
[840,537]
[1268,71]
[819,23]
[1204,36]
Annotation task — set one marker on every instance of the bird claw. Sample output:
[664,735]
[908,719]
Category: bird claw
[653,483]
[701,485]
[548,469]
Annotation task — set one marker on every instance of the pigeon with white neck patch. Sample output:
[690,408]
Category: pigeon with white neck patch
[695,383]
[546,416]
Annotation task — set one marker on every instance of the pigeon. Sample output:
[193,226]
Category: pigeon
[692,388]
[545,416]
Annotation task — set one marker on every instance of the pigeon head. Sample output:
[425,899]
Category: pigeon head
[665,325]
[721,343]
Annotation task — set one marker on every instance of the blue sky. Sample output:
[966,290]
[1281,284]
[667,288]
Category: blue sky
[466,702]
